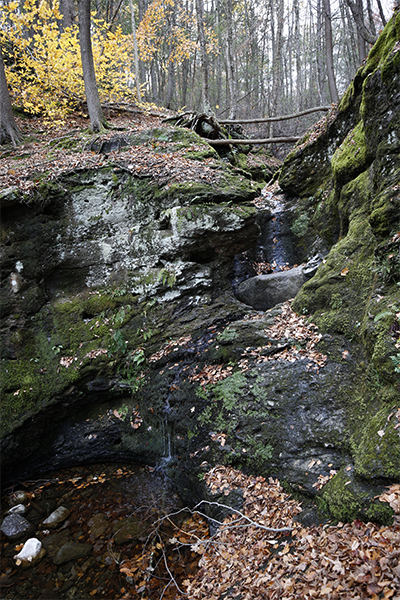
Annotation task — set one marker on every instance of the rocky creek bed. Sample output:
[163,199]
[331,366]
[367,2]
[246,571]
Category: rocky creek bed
[104,540]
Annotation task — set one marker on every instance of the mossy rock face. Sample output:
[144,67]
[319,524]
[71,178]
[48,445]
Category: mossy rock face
[347,498]
[354,294]
[260,165]
[377,446]
[308,166]
[86,253]
[351,157]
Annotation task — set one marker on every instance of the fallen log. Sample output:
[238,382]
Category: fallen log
[281,118]
[249,142]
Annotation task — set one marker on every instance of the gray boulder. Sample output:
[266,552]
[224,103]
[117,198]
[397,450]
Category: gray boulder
[15,526]
[265,291]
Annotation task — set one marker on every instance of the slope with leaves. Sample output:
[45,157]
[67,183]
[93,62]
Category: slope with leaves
[352,560]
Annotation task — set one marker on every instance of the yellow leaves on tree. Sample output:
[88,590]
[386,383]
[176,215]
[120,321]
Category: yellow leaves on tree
[168,29]
[43,65]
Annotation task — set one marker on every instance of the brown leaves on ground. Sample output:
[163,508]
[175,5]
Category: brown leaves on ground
[392,496]
[51,153]
[289,327]
[170,347]
[211,374]
[319,128]
[353,560]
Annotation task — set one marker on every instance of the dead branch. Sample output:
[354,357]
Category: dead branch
[243,516]
[281,118]
[249,142]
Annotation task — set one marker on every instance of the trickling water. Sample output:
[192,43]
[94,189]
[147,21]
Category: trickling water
[274,251]
[275,242]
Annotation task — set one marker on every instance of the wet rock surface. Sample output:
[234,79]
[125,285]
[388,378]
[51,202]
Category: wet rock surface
[71,551]
[15,526]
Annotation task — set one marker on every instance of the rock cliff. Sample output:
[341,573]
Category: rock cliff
[346,181]
[123,340]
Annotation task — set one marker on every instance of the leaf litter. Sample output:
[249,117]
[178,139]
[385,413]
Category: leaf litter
[347,560]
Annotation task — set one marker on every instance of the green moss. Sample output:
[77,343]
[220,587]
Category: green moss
[380,512]
[356,196]
[377,447]
[228,335]
[385,210]
[338,294]
[348,97]
[300,225]
[343,497]
[351,156]
[383,46]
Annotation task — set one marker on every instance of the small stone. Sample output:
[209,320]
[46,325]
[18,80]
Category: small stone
[129,529]
[19,497]
[98,525]
[71,551]
[18,509]
[57,517]
[52,543]
[15,526]
[31,553]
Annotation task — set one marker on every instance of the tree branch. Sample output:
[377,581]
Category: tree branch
[243,516]
[282,140]
[357,16]
[281,118]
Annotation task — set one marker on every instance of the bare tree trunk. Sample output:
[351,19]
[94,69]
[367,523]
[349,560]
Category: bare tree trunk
[362,50]
[218,57]
[97,120]
[372,27]
[170,85]
[153,78]
[185,80]
[204,59]
[230,68]
[277,35]
[8,128]
[363,33]
[382,15]
[68,14]
[135,52]
[319,48]
[329,52]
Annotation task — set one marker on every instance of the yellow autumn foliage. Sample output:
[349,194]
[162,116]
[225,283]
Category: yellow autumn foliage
[166,23]
[43,66]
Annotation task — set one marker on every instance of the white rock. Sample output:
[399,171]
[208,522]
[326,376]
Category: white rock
[18,498]
[56,517]
[31,549]
[18,509]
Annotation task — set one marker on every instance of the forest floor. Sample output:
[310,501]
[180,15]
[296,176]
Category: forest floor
[243,559]
[48,152]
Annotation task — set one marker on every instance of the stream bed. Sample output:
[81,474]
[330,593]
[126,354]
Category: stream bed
[125,545]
